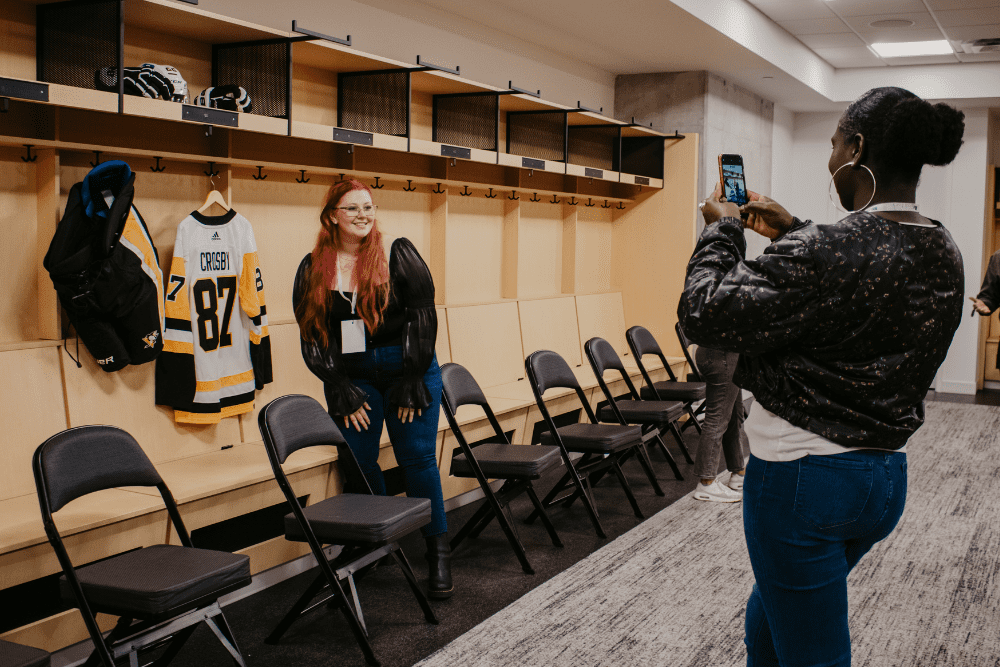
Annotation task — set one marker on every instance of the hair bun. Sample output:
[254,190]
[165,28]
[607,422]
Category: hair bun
[952,123]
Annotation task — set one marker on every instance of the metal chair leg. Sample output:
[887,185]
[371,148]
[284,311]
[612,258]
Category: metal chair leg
[297,609]
[555,491]
[680,442]
[669,457]
[692,419]
[647,465]
[485,521]
[175,646]
[404,565]
[473,521]
[544,516]
[628,490]
[225,637]
[507,525]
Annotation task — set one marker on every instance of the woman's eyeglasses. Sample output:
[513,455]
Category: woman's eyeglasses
[354,211]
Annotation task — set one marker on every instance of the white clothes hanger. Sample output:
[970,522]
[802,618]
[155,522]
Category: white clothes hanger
[214,197]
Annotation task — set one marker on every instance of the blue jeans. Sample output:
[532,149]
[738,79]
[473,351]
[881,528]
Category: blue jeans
[413,443]
[808,522]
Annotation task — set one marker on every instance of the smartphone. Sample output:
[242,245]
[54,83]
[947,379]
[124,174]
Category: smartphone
[734,185]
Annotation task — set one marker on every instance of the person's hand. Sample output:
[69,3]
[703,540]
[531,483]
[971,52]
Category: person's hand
[766,217]
[978,306]
[359,418]
[713,208]
[406,415]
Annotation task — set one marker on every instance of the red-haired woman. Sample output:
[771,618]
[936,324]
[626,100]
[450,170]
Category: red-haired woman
[365,308]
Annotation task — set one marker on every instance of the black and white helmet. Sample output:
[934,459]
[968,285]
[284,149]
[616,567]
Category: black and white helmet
[158,82]
[229,97]
[179,87]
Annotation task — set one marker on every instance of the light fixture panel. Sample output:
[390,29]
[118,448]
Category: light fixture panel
[937,47]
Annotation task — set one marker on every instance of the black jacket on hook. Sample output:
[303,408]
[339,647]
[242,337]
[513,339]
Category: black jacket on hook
[412,288]
[842,326]
[106,271]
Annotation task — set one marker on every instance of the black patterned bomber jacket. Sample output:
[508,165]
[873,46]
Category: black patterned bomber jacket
[841,326]
[411,284]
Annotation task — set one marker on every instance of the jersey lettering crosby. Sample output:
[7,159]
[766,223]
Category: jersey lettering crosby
[216,348]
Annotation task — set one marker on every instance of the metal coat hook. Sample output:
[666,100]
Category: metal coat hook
[555,200]
[531,172]
[621,206]
[606,204]
[157,168]
[439,191]
[30,158]
[491,195]
[377,186]
[341,178]
[466,193]
[535,198]
[4,104]
[453,162]
[212,171]
[350,149]
[640,188]
[208,131]
[97,158]
[259,176]
[409,186]
[303,179]
[572,201]
[588,204]
[512,197]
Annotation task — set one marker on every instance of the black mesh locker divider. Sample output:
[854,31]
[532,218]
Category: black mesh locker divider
[376,102]
[643,156]
[595,146]
[76,39]
[261,68]
[467,120]
[540,135]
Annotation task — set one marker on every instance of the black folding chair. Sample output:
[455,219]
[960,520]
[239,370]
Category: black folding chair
[650,415]
[603,446]
[160,593]
[641,342]
[516,465]
[15,655]
[366,525]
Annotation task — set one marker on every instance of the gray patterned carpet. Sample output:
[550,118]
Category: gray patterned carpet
[671,591]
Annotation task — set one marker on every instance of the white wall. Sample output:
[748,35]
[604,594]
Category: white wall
[403,29]
[953,194]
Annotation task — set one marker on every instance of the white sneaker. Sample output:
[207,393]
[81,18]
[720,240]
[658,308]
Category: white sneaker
[717,492]
[735,482]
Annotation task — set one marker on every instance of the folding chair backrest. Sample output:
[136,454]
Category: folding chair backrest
[685,343]
[550,370]
[86,459]
[641,342]
[459,387]
[603,357]
[294,422]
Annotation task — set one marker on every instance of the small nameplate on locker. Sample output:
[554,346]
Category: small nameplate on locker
[531,163]
[24,90]
[213,116]
[593,173]
[352,136]
[641,180]
[456,151]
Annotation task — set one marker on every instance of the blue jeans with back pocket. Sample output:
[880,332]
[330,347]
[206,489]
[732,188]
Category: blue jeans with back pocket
[807,523]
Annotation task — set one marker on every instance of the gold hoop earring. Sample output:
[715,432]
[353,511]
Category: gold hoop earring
[836,200]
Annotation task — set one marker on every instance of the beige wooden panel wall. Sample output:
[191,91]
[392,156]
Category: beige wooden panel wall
[539,249]
[17,34]
[487,341]
[474,239]
[32,409]
[594,238]
[18,234]
[550,324]
[602,315]
[314,95]
[192,59]
[443,345]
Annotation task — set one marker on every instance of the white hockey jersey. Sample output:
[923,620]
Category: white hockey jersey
[216,349]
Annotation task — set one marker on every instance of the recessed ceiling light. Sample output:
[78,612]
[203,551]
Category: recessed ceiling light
[891,23]
[908,49]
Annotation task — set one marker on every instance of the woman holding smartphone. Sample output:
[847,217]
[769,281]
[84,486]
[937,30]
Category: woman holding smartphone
[365,308]
[841,328]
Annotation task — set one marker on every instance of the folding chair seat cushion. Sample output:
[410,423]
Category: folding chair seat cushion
[643,412]
[355,517]
[158,579]
[596,438]
[502,461]
[674,391]
[15,655]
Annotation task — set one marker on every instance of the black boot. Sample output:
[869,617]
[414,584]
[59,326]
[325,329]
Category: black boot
[439,559]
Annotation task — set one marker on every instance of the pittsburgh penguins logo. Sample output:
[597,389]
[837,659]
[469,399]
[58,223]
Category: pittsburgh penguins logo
[151,339]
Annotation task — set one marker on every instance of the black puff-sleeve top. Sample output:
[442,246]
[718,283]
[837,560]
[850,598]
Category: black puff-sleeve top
[412,291]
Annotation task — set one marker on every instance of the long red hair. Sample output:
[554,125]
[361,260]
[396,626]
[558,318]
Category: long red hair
[371,272]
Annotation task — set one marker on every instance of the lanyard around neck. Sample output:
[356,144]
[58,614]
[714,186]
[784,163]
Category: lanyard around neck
[354,296]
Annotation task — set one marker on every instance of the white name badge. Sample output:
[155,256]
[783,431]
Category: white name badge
[352,336]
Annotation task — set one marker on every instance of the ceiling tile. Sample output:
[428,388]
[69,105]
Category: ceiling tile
[960,17]
[863,23]
[814,26]
[832,40]
[992,56]
[857,56]
[970,32]
[896,35]
[961,4]
[867,7]
[793,11]
[923,60]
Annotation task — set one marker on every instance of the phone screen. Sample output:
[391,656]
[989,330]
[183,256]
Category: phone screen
[734,186]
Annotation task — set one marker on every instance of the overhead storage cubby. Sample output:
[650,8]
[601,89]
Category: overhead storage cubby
[261,68]
[539,136]
[642,156]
